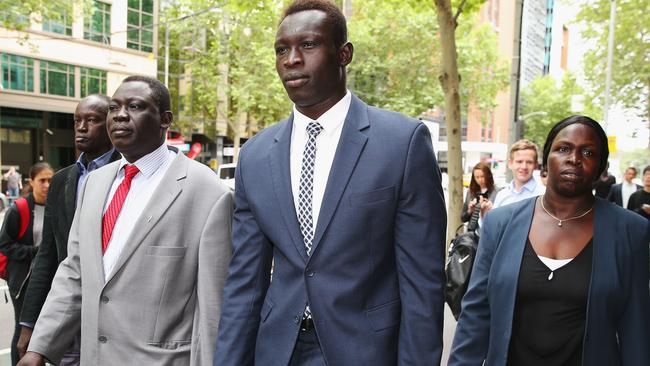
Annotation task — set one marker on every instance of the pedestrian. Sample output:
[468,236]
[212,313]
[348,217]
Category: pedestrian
[21,247]
[620,193]
[147,251]
[345,199]
[639,201]
[481,191]
[522,161]
[560,279]
[604,184]
[14,183]
[91,138]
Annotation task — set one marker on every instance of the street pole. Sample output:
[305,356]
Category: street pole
[610,59]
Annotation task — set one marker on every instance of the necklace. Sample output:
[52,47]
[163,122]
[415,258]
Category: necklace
[559,221]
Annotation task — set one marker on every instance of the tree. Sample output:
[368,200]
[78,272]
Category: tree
[17,15]
[545,95]
[630,69]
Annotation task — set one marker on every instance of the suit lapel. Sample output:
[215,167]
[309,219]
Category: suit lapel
[168,189]
[279,161]
[347,154]
[70,194]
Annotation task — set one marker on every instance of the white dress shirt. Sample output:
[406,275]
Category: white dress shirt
[152,168]
[326,144]
[627,188]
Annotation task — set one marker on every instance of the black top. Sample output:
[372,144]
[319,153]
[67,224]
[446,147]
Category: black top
[602,186]
[638,199]
[549,318]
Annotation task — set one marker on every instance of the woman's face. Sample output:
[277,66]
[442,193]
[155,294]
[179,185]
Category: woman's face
[573,161]
[479,177]
[41,185]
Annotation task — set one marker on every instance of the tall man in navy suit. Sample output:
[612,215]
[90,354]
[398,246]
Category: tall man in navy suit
[345,199]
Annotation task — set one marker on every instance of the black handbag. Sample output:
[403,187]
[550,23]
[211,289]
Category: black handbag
[460,260]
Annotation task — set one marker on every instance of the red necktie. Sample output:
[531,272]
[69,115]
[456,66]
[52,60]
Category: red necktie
[113,211]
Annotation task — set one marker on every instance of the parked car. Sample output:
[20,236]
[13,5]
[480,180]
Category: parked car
[226,172]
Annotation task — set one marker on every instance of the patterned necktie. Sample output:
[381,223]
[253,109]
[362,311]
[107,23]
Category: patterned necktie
[306,192]
[306,189]
[114,208]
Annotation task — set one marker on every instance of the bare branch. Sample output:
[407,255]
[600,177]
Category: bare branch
[458,11]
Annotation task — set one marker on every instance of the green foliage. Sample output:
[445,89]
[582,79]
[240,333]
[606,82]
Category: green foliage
[638,158]
[544,95]
[631,69]
[16,14]
[397,56]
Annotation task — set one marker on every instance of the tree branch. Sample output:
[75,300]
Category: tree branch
[458,11]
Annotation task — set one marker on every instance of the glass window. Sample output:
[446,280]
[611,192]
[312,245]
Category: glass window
[97,25]
[61,25]
[92,81]
[17,72]
[57,79]
[140,25]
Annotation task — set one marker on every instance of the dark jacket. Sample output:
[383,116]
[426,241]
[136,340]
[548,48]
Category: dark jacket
[616,194]
[59,212]
[617,329]
[19,252]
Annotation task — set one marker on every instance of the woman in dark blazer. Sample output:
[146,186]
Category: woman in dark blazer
[560,279]
[21,251]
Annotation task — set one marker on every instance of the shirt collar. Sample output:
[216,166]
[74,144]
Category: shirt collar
[95,164]
[330,120]
[529,186]
[149,163]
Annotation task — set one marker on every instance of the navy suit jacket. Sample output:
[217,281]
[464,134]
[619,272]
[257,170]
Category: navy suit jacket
[375,278]
[617,329]
[616,194]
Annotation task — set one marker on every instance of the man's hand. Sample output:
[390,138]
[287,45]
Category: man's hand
[23,341]
[32,359]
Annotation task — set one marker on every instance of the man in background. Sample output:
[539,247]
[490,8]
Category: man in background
[91,138]
[620,193]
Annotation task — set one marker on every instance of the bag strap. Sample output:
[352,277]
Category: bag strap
[23,210]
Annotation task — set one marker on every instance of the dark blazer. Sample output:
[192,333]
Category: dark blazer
[616,194]
[59,212]
[617,329]
[375,278]
[19,252]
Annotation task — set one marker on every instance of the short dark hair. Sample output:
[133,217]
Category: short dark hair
[600,134]
[646,169]
[334,14]
[631,168]
[37,168]
[159,91]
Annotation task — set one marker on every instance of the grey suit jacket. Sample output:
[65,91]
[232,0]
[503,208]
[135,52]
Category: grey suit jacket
[161,304]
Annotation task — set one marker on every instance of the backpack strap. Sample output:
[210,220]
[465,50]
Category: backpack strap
[23,210]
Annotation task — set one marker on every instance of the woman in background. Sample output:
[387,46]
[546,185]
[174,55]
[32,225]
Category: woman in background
[481,191]
[21,250]
[560,279]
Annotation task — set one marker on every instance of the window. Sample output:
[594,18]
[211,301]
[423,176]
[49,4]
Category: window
[139,33]
[97,26]
[17,72]
[61,25]
[57,79]
[92,81]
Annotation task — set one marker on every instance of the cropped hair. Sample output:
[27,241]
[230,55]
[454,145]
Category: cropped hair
[334,15]
[584,120]
[159,91]
[646,169]
[523,144]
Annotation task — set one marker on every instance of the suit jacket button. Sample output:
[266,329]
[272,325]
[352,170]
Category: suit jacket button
[102,339]
[104,299]
[296,319]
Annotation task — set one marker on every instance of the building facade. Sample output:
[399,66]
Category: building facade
[48,67]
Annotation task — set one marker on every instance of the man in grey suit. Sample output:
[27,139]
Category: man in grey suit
[147,252]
